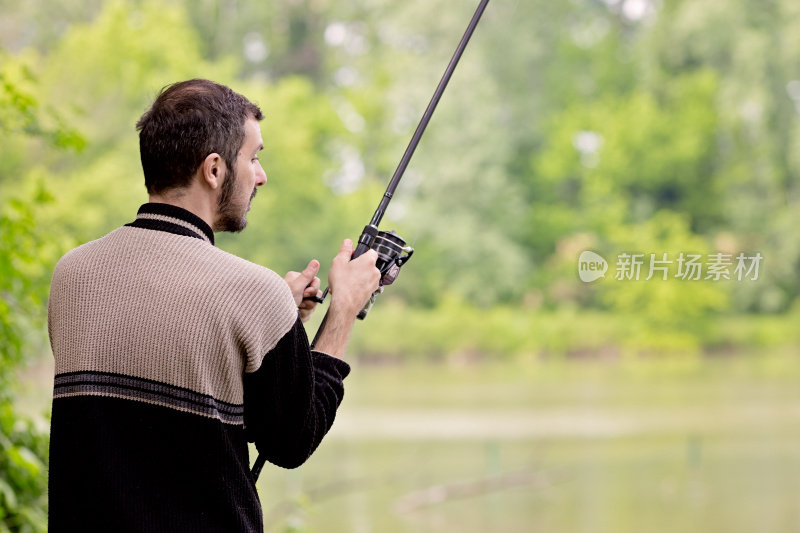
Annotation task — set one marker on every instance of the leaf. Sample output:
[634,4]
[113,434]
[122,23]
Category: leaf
[9,497]
[25,459]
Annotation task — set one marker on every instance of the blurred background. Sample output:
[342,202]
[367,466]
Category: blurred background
[492,390]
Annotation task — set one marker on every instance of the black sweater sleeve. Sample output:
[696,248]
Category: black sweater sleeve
[291,400]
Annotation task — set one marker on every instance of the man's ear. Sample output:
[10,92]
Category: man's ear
[213,170]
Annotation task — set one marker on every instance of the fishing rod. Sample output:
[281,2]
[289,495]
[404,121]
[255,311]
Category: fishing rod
[390,246]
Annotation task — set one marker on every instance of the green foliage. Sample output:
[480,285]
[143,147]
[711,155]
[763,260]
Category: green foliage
[676,311]
[21,279]
[752,49]
[599,121]
[26,260]
[23,462]
[622,159]
[20,112]
[460,333]
[28,253]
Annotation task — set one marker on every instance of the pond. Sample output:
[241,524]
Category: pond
[697,446]
[624,446]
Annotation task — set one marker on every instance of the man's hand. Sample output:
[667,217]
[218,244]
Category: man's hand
[305,283]
[352,282]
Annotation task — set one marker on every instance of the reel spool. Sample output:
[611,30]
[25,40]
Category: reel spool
[390,247]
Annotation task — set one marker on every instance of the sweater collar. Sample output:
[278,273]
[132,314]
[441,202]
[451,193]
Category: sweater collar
[173,219]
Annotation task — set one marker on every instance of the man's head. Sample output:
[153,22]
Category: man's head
[196,129]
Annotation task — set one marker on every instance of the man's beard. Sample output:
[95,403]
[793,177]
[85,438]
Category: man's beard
[230,215]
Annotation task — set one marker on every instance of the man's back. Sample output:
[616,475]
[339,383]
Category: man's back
[152,332]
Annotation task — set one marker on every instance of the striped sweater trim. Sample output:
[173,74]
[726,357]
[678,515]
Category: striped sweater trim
[90,383]
[163,225]
[172,219]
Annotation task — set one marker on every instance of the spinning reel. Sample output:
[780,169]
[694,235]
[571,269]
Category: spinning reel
[390,247]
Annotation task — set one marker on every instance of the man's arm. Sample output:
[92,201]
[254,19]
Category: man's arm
[291,400]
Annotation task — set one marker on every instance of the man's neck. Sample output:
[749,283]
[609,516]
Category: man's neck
[194,203]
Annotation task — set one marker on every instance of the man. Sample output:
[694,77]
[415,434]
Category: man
[172,354]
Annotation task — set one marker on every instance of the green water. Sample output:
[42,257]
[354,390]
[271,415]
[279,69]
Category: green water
[697,447]
[648,446]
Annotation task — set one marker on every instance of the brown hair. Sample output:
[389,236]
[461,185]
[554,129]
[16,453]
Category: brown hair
[188,121]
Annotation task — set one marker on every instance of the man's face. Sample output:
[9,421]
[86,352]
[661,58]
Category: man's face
[239,186]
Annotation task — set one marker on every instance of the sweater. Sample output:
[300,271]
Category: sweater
[170,356]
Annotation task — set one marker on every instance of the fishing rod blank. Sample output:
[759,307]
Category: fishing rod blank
[389,245]
[423,123]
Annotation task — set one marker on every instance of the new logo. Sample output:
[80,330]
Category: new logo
[591,266]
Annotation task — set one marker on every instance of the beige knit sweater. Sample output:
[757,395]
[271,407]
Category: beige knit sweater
[137,302]
[171,355]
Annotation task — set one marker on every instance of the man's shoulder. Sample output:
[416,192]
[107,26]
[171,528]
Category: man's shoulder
[237,267]
[257,290]
[235,276]
[83,253]
[137,251]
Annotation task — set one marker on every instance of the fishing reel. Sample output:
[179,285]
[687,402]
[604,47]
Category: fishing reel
[390,247]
